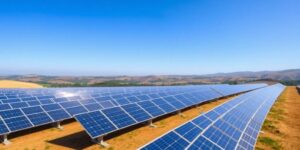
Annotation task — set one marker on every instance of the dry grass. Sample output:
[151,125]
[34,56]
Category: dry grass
[17,84]
[74,137]
[282,125]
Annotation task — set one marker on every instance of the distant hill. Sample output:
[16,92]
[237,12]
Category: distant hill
[292,74]
[289,77]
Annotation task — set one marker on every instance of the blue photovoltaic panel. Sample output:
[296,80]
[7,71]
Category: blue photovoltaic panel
[29,98]
[171,141]
[154,95]
[11,113]
[143,97]
[122,101]
[106,104]
[93,106]
[161,103]
[87,101]
[33,103]
[133,99]
[32,110]
[189,131]
[58,115]
[76,110]
[61,99]
[4,107]
[46,101]
[70,104]
[19,105]
[118,116]
[151,108]
[103,98]
[12,100]
[3,128]
[184,100]
[50,107]
[174,102]
[212,115]
[136,112]
[203,143]
[17,123]
[39,118]
[95,123]
[202,122]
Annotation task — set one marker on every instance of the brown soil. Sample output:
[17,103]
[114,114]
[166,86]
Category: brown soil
[283,123]
[17,84]
[74,137]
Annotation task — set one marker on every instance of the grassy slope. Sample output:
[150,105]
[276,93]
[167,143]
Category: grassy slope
[18,84]
[281,127]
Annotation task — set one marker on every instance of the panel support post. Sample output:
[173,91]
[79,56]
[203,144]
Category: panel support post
[181,114]
[5,140]
[151,124]
[58,126]
[101,142]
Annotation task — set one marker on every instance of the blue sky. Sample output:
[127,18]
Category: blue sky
[143,37]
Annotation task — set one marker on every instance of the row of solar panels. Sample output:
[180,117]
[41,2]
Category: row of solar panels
[19,95]
[25,98]
[37,107]
[102,122]
[232,125]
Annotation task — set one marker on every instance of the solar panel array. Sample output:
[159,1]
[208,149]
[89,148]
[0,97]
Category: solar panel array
[232,125]
[102,122]
[26,108]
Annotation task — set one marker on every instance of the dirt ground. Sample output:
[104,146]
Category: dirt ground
[74,137]
[281,129]
[17,84]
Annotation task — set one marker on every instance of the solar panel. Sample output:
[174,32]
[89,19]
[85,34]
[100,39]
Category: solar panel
[122,101]
[19,105]
[165,106]
[151,108]
[184,100]
[33,103]
[95,123]
[136,112]
[93,106]
[39,118]
[166,142]
[32,110]
[4,107]
[76,110]
[3,127]
[50,107]
[189,131]
[70,104]
[174,102]
[11,113]
[58,115]
[107,104]
[119,117]
[17,123]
